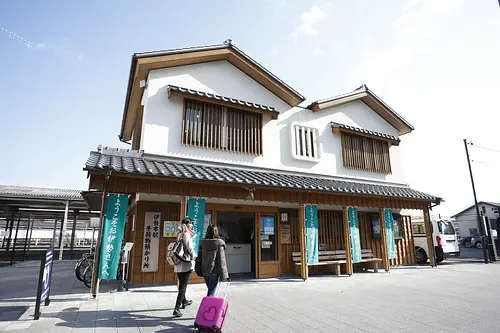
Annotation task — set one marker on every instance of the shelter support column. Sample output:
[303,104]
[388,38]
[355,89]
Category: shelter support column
[302,241]
[63,231]
[12,254]
[347,242]
[73,231]
[26,237]
[428,236]
[385,254]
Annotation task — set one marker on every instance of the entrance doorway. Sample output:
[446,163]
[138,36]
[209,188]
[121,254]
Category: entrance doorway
[238,231]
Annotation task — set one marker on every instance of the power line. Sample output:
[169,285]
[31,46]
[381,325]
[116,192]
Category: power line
[16,37]
[481,147]
[482,162]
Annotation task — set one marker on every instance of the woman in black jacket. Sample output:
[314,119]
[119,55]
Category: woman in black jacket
[213,259]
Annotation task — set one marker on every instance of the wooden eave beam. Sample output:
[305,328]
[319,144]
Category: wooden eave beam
[371,136]
[273,114]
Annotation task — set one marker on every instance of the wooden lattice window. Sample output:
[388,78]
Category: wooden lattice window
[212,126]
[363,153]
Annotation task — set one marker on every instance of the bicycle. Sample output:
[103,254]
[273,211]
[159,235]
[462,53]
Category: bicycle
[87,275]
[82,264]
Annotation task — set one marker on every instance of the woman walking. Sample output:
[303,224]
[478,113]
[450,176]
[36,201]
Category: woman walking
[213,259]
[184,268]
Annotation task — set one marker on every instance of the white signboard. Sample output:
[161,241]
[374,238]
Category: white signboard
[151,242]
[94,222]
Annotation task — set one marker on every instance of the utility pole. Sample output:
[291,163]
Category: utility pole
[478,216]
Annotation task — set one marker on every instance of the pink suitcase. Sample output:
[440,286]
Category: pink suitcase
[212,313]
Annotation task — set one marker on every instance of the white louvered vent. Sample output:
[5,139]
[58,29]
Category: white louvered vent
[305,143]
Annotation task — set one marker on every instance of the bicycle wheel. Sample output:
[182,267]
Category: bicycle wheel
[87,275]
[79,269]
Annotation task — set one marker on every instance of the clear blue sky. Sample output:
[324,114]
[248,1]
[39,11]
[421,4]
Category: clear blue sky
[435,62]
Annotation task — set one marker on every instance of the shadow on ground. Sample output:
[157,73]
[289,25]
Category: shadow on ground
[124,319]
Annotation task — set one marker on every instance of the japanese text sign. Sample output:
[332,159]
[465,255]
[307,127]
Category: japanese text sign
[389,233]
[47,273]
[352,214]
[311,219]
[151,242]
[112,235]
[196,211]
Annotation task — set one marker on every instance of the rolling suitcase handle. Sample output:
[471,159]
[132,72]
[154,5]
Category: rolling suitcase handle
[228,282]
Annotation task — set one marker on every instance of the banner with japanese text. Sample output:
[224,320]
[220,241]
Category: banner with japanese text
[151,242]
[311,219]
[196,211]
[352,214]
[389,233]
[112,235]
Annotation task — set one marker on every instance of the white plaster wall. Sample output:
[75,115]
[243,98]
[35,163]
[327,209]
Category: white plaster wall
[161,133]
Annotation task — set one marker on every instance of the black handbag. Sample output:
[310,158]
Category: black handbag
[197,265]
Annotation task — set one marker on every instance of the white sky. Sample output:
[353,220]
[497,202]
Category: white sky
[436,62]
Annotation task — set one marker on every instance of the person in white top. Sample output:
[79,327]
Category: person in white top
[184,268]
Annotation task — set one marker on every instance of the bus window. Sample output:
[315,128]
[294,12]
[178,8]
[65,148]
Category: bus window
[418,229]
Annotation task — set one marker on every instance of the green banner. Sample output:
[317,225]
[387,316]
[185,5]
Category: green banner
[352,213]
[196,211]
[389,233]
[311,219]
[112,235]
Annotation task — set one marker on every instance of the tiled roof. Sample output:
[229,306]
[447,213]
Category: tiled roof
[365,94]
[361,130]
[134,162]
[221,98]
[38,192]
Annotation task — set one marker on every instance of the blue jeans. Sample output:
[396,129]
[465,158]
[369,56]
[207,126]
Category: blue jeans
[211,282]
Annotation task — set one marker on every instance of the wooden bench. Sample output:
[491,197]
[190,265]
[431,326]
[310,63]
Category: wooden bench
[337,258]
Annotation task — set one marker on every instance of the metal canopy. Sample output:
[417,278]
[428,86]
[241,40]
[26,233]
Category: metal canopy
[25,208]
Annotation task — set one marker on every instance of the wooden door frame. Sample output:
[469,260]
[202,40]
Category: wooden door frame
[277,242]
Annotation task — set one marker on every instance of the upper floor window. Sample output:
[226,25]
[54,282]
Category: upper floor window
[212,126]
[364,153]
[305,145]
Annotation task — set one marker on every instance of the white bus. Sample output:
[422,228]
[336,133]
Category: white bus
[444,238]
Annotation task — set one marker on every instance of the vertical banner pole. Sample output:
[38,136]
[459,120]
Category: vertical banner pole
[94,285]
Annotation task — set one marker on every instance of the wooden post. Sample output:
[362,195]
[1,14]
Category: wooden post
[182,213]
[385,254]
[302,241]
[347,242]
[428,235]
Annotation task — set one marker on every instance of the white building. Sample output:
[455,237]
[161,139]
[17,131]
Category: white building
[465,222]
[213,124]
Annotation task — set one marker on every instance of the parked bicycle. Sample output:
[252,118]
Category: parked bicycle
[87,275]
[82,264]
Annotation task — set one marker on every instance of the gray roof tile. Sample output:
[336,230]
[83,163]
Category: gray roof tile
[221,98]
[39,192]
[365,131]
[100,161]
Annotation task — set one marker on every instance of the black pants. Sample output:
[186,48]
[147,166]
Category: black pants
[183,283]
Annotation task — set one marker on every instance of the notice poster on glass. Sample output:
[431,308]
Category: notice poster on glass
[268,225]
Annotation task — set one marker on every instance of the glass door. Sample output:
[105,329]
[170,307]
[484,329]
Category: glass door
[268,244]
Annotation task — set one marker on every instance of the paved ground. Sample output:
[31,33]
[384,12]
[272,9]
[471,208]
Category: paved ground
[458,296]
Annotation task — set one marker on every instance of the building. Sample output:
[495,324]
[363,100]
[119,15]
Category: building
[210,122]
[465,222]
